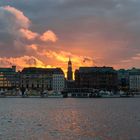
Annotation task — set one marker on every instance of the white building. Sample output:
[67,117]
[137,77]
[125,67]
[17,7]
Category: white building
[134,80]
[58,80]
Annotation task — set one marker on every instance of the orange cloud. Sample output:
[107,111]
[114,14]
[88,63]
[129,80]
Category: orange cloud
[21,62]
[34,47]
[31,48]
[28,34]
[63,57]
[49,36]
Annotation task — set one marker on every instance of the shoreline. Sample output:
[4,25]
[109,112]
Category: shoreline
[117,96]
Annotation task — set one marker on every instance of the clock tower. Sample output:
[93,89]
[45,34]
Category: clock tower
[69,72]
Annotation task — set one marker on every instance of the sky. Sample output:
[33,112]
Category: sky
[45,33]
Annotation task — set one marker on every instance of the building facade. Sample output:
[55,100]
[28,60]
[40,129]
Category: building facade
[9,78]
[58,81]
[42,78]
[35,78]
[123,79]
[134,80]
[102,78]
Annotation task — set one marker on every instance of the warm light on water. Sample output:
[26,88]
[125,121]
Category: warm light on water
[69,119]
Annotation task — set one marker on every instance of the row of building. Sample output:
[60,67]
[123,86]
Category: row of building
[32,78]
[106,78]
[103,78]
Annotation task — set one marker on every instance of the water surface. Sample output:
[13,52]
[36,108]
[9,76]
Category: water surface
[69,119]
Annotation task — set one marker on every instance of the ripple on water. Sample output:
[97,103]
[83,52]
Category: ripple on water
[70,119]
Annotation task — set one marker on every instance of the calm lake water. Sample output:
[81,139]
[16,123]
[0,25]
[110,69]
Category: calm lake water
[69,119]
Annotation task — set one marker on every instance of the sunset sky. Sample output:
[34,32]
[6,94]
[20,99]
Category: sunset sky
[45,33]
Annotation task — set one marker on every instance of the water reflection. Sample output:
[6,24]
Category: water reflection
[70,119]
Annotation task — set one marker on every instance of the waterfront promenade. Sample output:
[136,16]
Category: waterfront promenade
[61,96]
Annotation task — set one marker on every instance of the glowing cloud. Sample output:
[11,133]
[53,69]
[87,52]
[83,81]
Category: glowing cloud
[34,47]
[20,62]
[49,36]
[63,56]
[28,34]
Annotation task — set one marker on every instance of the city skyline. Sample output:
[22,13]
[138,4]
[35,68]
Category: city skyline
[46,33]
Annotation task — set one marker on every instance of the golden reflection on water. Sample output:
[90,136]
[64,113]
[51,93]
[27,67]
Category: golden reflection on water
[71,121]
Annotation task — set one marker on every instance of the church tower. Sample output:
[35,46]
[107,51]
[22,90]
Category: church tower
[69,72]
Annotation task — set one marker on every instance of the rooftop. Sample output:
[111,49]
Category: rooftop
[96,69]
[35,70]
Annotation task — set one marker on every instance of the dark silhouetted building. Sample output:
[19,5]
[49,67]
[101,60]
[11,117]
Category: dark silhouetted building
[104,78]
[123,79]
[69,72]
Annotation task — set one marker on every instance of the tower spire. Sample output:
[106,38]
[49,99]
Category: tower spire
[69,72]
[69,58]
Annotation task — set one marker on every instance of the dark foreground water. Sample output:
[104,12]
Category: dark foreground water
[69,119]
